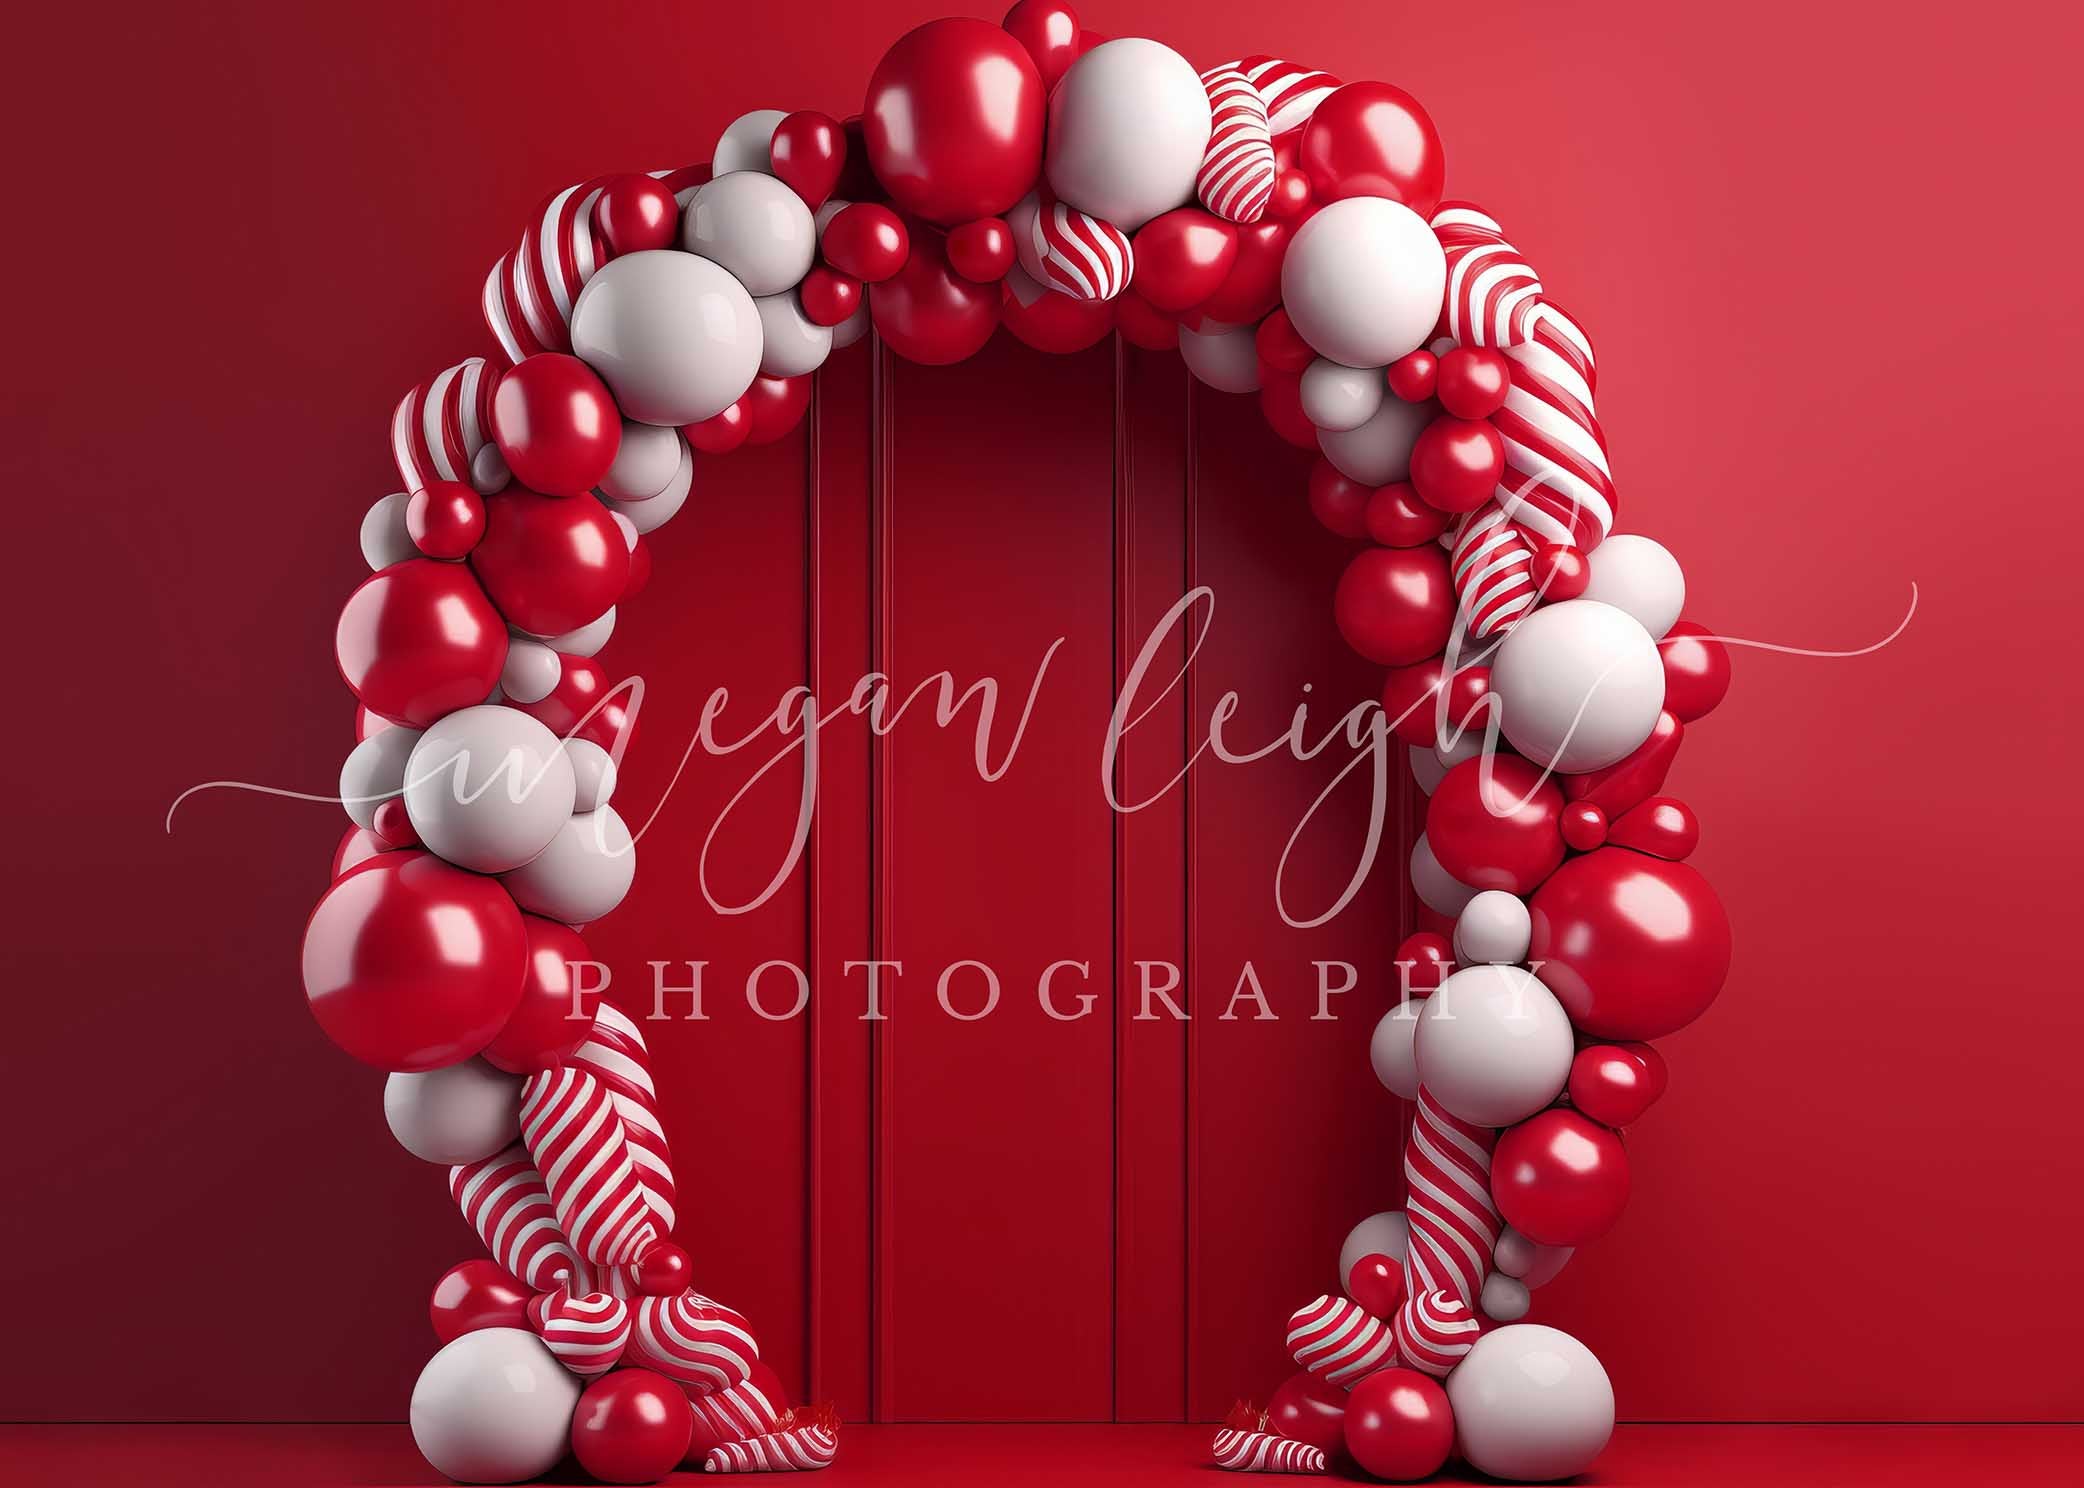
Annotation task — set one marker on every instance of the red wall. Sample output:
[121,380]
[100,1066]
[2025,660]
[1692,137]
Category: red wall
[1825,260]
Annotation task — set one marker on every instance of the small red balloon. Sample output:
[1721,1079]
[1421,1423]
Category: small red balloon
[1495,822]
[1696,670]
[584,705]
[1584,826]
[1425,959]
[556,424]
[632,1426]
[1415,376]
[828,296]
[1411,699]
[1291,196]
[953,120]
[550,564]
[392,826]
[1376,1284]
[1634,947]
[1280,402]
[420,639]
[1053,322]
[1253,286]
[445,519]
[665,1271]
[929,313]
[981,251]
[720,433]
[541,1030]
[774,406]
[1399,1425]
[1338,501]
[1395,605]
[474,1295]
[1141,326]
[1612,1084]
[1280,345]
[1372,139]
[1310,1410]
[1456,463]
[1560,1178]
[867,241]
[1627,784]
[1560,572]
[1396,517]
[640,570]
[635,212]
[1183,257]
[1050,34]
[1663,827]
[1473,381]
[809,154]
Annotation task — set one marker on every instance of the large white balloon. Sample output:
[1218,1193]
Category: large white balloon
[1128,125]
[1387,1233]
[754,226]
[374,771]
[1363,280]
[494,1406]
[456,1114]
[582,874]
[488,787]
[1338,397]
[791,342]
[1639,575]
[1224,357]
[1437,889]
[1578,685]
[1392,1050]
[1494,1045]
[654,512]
[385,540]
[1378,451]
[1531,1404]
[1494,930]
[675,337]
[747,143]
[644,461]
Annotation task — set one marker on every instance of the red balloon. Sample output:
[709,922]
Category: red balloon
[1182,257]
[1396,517]
[411,964]
[1280,400]
[721,433]
[1634,947]
[1560,1178]
[584,706]
[357,846]
[541,1030]
[827,296]
[665,1271]
[1411,700]
[1612,1084]
[392,826]
[1663,827]
[1456,463]
[1372,139]
[474,1295]
[1050,34]
[1291,196]
[1496,823]
[446,519]
[1560,572]
[1337,500]
[1584,826]
[632,1426]
[556,424]
[1376,1284]
[929,313]
[953,120]
[774,406]
[635,212]
[1308,1409]
[867,241]
[550,564]
[1399,1425]
[1415,376]
[420,639]
[809,152]
[1055,322]
[640,569]
[1253,286]
[982,251]
[1430,958]
[1395,605]
[1473,381]
[1696,670]
[1630,782]
[1142,326]
[1279,344]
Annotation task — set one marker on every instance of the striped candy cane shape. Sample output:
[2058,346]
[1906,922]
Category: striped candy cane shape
[690,1339]
[614,1053]
[1557,484]
[586,1333]
[530,292]
[1337,1341]
[575,1135]
[505,1201]
[1454,1224]
[442,430]
[1263,1452]
[1493,568]
[1291,92]
[736,1414]
[1492,293]
[1435,1332]
[1237,171]
[1071,251]
[799,1449]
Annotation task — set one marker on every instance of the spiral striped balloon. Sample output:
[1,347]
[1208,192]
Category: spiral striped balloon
[615,1054]
[1454,1224]
[1492,293]
[586,1333]
[1290,91]
[1236,180]
[799,1449]
[442,430]
[1493,568]
[573,1131]
[690,1339]
[1073,252]
[737,1413]
[504,1199]
[530,292]
[1557,483]
[1338,1341]
[1263,1452]
[1435,1332]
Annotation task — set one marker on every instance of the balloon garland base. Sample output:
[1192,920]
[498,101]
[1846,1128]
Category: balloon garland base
[1286,233]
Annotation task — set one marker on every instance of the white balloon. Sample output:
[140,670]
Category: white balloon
[756,227]
[587,640]
[1338,397]
[1128,125]
[1579,685]
[1437,889]
[593,774]
[1224,357]
[1494,1045]
[1426,767]
[488,788]
[1392,1050]
[456,1114]
[384,538]
[582,874]
[673,335]
[374,771]
[791,342]
[1378,451]
[644,462]
[494,1406]
[1638,575]
[1504,1298]
[833,206]
[747,143]
[1386,1234]
[1363,281]
[488,470]
[1495,930]
[1529,1260]
[1466,746]
[532,670]
[1530,1404]
[852,329]
[654,512]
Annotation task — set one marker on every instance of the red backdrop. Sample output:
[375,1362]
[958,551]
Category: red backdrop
[1825,357]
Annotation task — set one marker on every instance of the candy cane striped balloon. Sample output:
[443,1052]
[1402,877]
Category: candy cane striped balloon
[1557,483]
[504,1199]
[1435,1332]
[442,430]
[529,293]
[1263,1452]
[690,1339]
[737,1413]
[1073,252]
[1493,567]
[1338,1341]
[575,1135]
[1291,92]
[1454,1224]
[1237,171]
[1492,293]
[586,1333]
[615,1054]
[799,1449]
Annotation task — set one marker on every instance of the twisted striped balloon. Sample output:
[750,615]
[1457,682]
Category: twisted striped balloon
[1263,1452]
[1493,570]
[442,430]
[1236,180]
[1557,483]
[576,1137]
[615,1054]
[1454,1224]
[799,1449]
[504,1199]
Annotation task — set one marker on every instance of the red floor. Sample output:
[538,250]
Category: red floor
[1090,1456]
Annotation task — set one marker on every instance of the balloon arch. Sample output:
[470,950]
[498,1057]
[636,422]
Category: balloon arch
[1287,233]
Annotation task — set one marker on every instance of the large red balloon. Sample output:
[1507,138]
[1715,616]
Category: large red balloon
[1560,1178]
[928,312]
[1372,139]
[1182,257]
[419,639]
[551,565]
[953,120]
[1055,323]
[411,964]
[541,1029]
[1395,605]
[1634,947]
[1497,823]
[1308,1409]
[585,705]
[474,1295]
[1399,1425]
[556,424]
[1141,326]
[632,1426]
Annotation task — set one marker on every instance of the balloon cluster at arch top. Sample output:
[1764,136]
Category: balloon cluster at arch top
[1288,234]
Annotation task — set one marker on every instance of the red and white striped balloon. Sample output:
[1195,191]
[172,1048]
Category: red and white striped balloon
[1492,293]
[587,1333]
[504,1199]
[799,1449]
[1073,252]
[1493,569]
[530,292]
[1557,483]
[575,1135]
[691,1339]
[442,430]
[1237,171]
[1435,1332]
[1263,1452]
[1454,1224]
[1290,91]
[615,1054]
[737,1413]
[1336,1340]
